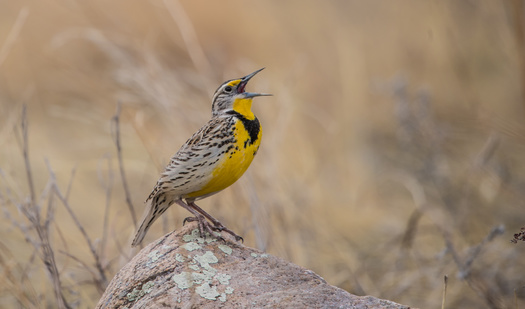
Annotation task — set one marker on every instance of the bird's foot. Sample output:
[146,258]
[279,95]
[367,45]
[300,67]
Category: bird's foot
[206,226]
[189,219]
[220,227]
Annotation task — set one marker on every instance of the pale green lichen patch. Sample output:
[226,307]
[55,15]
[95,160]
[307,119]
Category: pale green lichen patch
[136,293]
[194,267]
[210,272]
[193,236]
[193,264]
[207,291]
[183,280]
[254,255]
[209,239]
[179,258]
[148,287]
[225,249]
[199,278]
[154,255]
[207,281]
[206,259]
[228,290]
[264,255]
[133,295]
[191,246]
[223,278]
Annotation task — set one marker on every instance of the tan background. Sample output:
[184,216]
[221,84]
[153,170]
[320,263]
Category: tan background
[396,131]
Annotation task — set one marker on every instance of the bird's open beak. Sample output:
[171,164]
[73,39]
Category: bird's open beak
[246,78]
[255,94]
[243,83]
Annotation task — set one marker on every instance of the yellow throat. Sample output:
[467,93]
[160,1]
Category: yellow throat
[244,107]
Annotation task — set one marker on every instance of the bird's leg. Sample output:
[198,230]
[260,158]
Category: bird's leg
[203,224]
[217,225]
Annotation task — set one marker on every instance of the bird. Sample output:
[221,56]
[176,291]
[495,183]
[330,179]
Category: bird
[211,160]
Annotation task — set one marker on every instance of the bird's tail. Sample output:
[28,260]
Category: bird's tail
[157,206]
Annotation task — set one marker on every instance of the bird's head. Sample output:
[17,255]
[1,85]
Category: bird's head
[231,95]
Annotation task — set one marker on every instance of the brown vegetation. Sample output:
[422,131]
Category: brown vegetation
[392,152]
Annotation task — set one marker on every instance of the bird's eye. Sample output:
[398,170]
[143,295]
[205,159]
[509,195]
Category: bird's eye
[228,89]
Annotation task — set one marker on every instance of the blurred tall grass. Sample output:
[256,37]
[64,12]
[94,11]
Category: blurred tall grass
[392,152]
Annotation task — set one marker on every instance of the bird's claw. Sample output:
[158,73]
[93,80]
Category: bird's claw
[205,226]
[189,219]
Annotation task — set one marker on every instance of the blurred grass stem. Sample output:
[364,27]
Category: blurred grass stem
[116,127]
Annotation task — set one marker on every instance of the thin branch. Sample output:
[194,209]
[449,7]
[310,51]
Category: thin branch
[50,213]
[445,283]
[464,268]
[85,267]
[25,151]
[70,184]
[116,122]
[58,229]
[27,297]
[108,187]
[98,264]
[32,212]
[496,231]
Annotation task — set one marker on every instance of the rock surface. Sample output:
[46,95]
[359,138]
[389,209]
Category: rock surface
[183,270]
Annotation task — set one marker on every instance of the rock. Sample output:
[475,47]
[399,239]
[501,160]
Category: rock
[183,270]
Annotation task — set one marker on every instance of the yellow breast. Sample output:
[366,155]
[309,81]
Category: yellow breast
[236,161]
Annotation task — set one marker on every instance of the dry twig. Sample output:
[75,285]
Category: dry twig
[101,279]
[116,122]
[32,211]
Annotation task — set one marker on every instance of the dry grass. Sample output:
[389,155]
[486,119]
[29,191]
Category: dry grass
[392,154]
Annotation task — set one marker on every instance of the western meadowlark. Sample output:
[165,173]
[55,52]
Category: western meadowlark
[211,160]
